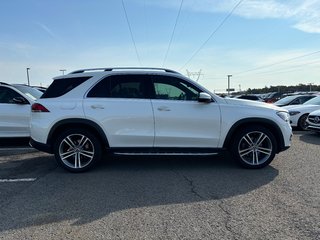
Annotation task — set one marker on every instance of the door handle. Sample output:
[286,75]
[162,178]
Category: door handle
[164,108]
[97,107]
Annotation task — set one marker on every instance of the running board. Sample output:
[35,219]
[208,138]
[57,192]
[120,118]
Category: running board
[165,151]
[163,154]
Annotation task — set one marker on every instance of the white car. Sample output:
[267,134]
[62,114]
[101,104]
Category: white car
[15,109]
[299,113]
[132,111]
[313,121]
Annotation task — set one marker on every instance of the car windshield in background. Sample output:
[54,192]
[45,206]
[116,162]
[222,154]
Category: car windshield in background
[29,91]
[313,101]
[285,100]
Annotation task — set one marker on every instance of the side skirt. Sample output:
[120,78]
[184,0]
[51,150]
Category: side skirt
[166,151]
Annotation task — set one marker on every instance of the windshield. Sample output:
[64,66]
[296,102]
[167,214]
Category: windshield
[313,101]
[29,91]
[285,100]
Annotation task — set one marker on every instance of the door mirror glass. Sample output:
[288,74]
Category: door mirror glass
[204,97]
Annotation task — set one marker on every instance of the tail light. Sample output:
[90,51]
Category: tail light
[37,107]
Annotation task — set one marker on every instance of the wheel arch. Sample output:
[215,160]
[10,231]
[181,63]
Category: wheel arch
[76,123]
[272,126]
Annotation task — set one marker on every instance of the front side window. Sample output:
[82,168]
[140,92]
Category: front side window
[7,95]
[171,88]
[120,86]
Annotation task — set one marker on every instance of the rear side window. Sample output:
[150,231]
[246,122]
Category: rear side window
[61,86]
[120,86]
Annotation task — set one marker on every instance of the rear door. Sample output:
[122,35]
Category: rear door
[180,120]
[14,118]
[120,104]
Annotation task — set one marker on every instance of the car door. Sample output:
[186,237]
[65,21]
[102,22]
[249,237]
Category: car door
[119,103]
[180,119]
[14,118]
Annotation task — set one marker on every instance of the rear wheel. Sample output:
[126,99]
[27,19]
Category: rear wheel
[254,147]
[77,150]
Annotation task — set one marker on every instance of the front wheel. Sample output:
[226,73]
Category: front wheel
[254,147]
[77,150]
[302,123]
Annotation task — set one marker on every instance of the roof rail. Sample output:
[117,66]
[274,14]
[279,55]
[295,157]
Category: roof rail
[123,68]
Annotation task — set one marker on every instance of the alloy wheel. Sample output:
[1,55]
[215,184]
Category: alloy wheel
[76,151]
[255,148]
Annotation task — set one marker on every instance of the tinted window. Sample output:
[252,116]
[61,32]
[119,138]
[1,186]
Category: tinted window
[306,98]
[60,86]
[120,86]
[313,101]
[7,95]
[171,88]
[285,100]
[296,101]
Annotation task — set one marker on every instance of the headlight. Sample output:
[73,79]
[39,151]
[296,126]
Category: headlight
[284,115]
[292,113]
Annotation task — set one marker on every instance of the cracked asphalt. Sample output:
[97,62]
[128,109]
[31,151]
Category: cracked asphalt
[162,197]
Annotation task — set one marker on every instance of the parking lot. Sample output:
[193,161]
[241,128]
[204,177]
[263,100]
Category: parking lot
[162,197]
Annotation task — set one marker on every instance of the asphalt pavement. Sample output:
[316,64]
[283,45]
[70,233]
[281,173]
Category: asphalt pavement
[162,197]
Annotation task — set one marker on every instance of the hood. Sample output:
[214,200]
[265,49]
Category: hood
[250,103]
[289,107]
[316,112]
[304,108]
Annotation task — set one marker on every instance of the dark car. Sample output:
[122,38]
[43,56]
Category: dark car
[293,100]
[272,97]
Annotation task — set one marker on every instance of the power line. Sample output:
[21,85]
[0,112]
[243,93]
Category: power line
[277,63]
[133,41]
[174,29]
[287,69]
[214,32]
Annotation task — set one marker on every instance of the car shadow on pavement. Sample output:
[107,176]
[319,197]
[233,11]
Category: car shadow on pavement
[311,138]
[123,183]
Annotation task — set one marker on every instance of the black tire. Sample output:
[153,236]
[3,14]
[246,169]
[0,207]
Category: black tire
[302,123]
[77,150]
[254,147]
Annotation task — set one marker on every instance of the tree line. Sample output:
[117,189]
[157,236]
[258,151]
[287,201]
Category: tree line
[285,89]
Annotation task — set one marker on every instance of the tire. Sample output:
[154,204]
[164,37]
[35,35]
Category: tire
[254,147]
[302,123]
[77,150]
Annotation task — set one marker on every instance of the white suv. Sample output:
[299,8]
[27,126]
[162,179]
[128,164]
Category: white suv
[147,111]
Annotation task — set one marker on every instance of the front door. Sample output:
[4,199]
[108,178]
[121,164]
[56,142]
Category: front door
[14,118]
[180,120]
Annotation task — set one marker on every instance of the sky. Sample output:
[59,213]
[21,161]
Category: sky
[259,42]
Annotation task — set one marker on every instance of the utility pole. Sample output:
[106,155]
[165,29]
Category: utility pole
[229,76]
[28,76]
[310,84]
[62,70]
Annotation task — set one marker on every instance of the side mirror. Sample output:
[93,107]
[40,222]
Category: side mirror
[20,100]
[204,97]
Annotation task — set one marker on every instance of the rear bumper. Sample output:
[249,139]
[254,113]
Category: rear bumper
[40,146]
